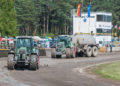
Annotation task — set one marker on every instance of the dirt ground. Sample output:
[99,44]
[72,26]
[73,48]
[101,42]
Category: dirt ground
[58,72]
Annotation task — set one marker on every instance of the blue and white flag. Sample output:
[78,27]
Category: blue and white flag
[89,10]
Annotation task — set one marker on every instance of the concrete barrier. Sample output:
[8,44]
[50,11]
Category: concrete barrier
[44,52]
[114,49]
[108,49]
[4,52]
[48,52]
[103,49]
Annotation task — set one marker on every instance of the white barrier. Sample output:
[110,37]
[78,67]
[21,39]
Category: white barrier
[114,49]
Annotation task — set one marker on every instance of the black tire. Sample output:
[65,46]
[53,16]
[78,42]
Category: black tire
[89,51]
[58,56]
[53,54]
[34,62]
[38,66]
[76,54]
[94,51]
[38,60]
[10,62]
[80,54]
[68,53]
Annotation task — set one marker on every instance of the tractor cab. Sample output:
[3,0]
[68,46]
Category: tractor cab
[24,44]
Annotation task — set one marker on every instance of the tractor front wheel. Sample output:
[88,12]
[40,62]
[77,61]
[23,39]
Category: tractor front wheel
[53,55]
[10,62]
[68,53]
[34,63]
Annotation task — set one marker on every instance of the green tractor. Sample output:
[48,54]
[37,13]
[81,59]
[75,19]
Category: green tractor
[63,46]
[25,54]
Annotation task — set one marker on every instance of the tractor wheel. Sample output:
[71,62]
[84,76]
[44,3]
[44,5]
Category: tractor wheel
[94,51]
[73,53]
[10,62]
[33,62]
[89,51]
[53,55]
[38,62]
[68,53]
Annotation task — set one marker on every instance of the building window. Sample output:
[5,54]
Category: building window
[104,18]
[100,30]
[100,18]
[109,18]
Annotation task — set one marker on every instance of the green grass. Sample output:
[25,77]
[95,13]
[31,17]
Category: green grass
[111,71]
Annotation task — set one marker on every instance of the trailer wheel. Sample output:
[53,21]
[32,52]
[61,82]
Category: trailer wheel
[10,63]
[68,53]
[33,62]
[89,51]
[94,51]
[53,55]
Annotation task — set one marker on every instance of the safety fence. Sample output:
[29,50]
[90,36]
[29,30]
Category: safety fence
[5,46]
[109,49]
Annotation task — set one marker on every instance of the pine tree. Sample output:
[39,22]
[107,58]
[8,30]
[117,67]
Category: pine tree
[7,18]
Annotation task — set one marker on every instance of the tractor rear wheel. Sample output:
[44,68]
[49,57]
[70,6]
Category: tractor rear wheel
[10,62]
[89,51]
[53,55]
[94,51]
[68,53]
[34,62]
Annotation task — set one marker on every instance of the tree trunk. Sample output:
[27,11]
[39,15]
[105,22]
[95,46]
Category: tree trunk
[27,29]
[44,25]
[55,30]
[35,30]
[65,29]
[48,20]
[40,30]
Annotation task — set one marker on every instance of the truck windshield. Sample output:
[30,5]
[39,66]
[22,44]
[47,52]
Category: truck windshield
[23,42]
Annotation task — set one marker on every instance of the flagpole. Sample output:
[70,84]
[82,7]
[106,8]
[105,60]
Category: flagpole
[80,14]
[89,23]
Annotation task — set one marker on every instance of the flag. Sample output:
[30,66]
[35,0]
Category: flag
[115,26]
[79,10]
[89,10]
[119,27]
[112,25]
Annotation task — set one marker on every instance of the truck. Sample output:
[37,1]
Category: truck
[85,44]
[75,46]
